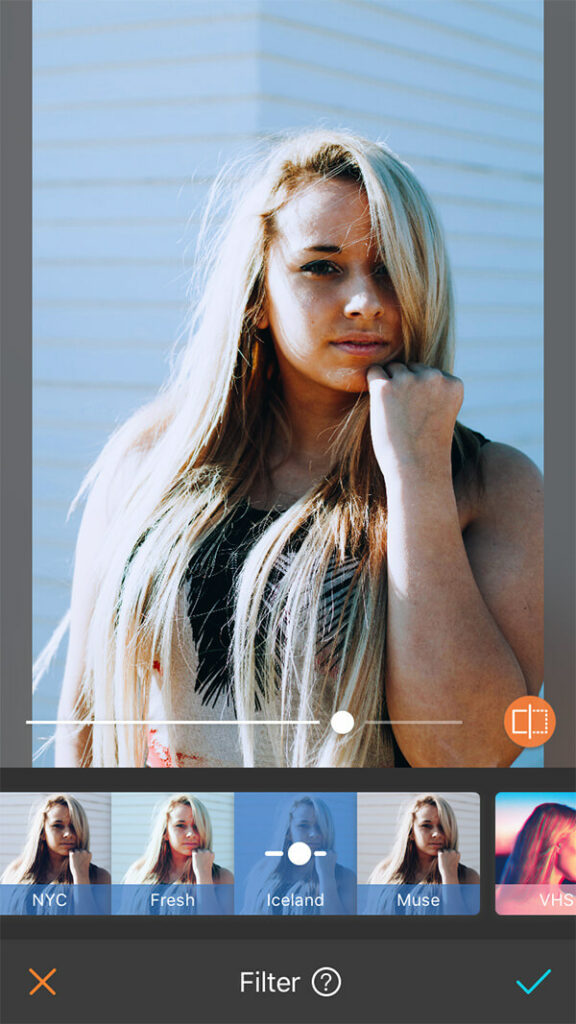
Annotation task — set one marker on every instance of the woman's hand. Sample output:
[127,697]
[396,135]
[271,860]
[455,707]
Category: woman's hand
[202,861]
[79,861]
[413,411]
[326,868]
[448,861]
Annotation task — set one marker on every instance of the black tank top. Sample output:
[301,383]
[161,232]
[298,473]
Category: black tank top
[211,579]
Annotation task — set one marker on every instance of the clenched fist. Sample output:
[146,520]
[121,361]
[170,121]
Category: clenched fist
[448,861]
[413,411]
[202,861]
[79,861]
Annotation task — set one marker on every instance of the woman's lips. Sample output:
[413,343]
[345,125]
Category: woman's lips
[360,344]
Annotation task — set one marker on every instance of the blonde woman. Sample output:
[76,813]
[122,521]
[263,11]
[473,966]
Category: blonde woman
[180,847]
[544,852]
[298,525]
[425,850]
[179,852]
[57,848]
[425,853]
[278,886]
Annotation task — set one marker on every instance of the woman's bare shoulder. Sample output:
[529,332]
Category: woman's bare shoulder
[506,467]
[101,876]
[226,877]
[469,876]
[506,484]
[345,875]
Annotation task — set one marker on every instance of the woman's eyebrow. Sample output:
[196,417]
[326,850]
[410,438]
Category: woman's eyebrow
[322,248]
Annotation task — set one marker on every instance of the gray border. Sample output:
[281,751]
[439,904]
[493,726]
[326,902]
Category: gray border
[559,366]
[15,397]
[15,378]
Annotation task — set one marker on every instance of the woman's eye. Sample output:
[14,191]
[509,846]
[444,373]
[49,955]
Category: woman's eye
[322,268]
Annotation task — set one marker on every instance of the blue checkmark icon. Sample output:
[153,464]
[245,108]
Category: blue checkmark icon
[530,990]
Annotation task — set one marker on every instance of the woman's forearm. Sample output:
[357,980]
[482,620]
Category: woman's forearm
[446,656]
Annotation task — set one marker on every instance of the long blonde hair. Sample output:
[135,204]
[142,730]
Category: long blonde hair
[154,867]
[30,867]
[535,849]
[197,451]
[400,867]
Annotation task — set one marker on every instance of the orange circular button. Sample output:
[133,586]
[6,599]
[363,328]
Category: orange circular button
[529,721]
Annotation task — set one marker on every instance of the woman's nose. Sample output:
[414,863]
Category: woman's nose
[364,300]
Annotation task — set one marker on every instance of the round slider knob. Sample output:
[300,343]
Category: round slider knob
[342,722]
[299,853]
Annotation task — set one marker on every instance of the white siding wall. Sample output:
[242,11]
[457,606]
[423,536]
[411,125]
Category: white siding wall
[17,810]
[136,105]
[379,815]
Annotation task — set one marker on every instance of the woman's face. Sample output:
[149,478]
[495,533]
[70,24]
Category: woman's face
[59,831]
[427,831]
[566,860]
[304,827]
[182,833]
[330,306]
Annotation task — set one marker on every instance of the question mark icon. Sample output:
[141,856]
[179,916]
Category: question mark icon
[326,981]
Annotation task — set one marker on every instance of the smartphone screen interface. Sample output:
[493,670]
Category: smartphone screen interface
[287,343]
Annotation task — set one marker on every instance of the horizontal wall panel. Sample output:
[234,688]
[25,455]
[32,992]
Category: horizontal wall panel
[59,17]
[144,120]
[496,355]
[418,73]
[132,161]
[515,324]
[297,81]
[139,241]
[95,405]
[475,181]
[211,76]
[120,281]
[453,150]
[148,366]
[88,201]
[498,220]
[412,28]
[127,324]
[499,26]
[179,39]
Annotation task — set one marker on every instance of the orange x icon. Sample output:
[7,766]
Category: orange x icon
[42,982]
